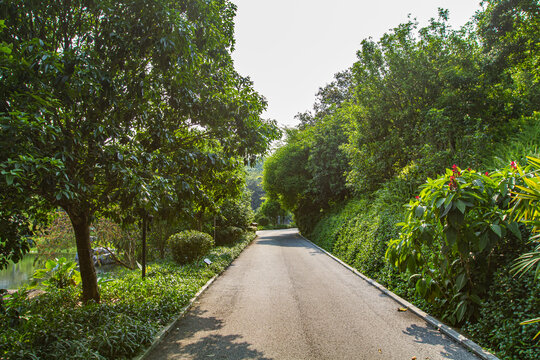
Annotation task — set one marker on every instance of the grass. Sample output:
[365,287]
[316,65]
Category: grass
[56,325]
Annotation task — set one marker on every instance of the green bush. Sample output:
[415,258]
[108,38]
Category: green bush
[262,220]
[55,325]
[228,235]
[510,300]
[58,274]
[235,212]
[454,237]
[189,245]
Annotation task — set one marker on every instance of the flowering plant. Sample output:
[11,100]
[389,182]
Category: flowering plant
[450,240]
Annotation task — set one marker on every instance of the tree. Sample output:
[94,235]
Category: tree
[254,184]
[328,99]
[270,212]
[307,174]
[97,96]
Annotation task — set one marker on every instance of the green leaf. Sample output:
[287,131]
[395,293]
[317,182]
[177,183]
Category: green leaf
[451,235]
[421,287]
[439,202]
[446,210]
[411,264]
[479,184]
[496,229]
[448,200]
[5,49]
[461,206]
[419,211]
[461,280]
[482,242]
[461,309]
[514,228]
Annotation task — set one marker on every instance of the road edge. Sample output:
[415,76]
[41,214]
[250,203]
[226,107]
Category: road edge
[158,338]
[445,329]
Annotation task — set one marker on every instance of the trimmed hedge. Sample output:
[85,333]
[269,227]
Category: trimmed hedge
[189,245]
[228,235]
[55,325]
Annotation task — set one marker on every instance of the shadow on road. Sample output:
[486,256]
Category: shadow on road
[221,347]
[189,341]
[428,335]
[289,241]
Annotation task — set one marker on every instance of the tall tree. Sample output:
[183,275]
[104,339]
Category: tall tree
[97,94]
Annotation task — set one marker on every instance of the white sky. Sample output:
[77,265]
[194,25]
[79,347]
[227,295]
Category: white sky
[290,48]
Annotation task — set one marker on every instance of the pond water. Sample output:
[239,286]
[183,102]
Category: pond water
[17,274]
[21,273]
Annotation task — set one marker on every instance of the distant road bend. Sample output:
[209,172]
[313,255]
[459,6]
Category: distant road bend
[285,299]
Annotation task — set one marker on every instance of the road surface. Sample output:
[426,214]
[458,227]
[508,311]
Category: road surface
[282,298]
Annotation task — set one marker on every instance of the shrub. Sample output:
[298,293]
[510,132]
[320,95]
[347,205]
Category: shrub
[456,235]
[235,212]
[262,220]
[58,274]
[189,245]
[510,300]
[228,235]
[54,325]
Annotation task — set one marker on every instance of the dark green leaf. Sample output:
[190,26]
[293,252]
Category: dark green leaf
[496,229]
[514,228]
[461,206]
[461,280]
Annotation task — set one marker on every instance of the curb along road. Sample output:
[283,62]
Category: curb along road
[445,329]
[167,329]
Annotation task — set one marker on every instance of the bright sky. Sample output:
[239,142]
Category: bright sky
[290,48]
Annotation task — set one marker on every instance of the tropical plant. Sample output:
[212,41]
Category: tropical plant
[527,209]
[454,236]
[58,274]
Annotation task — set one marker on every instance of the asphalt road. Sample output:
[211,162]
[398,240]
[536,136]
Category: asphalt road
[282,298]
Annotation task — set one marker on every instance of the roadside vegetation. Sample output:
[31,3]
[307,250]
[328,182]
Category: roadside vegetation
[418,165]
[125,132]
[132,310]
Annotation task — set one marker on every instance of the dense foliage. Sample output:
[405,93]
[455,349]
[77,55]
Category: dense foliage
[189,245]
[414,103]
[122,107]
[54,325]
[457,233]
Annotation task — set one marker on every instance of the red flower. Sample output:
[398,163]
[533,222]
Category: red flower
[417,197]
[469,169]
[487,174]
[513,165]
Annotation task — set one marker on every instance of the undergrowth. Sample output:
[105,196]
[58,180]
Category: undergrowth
[55,325]
[358,231]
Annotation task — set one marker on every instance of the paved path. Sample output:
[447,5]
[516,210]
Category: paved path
[284,299]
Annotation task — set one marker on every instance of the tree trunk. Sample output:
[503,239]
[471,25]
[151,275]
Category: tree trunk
[81,226]
[144,226]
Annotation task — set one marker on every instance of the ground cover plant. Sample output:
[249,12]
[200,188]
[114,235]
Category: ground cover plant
[56,325]
[415,102]
[360,231]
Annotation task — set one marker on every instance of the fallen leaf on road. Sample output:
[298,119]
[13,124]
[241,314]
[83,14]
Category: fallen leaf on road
[380,351]
[413,358]
[402,309]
